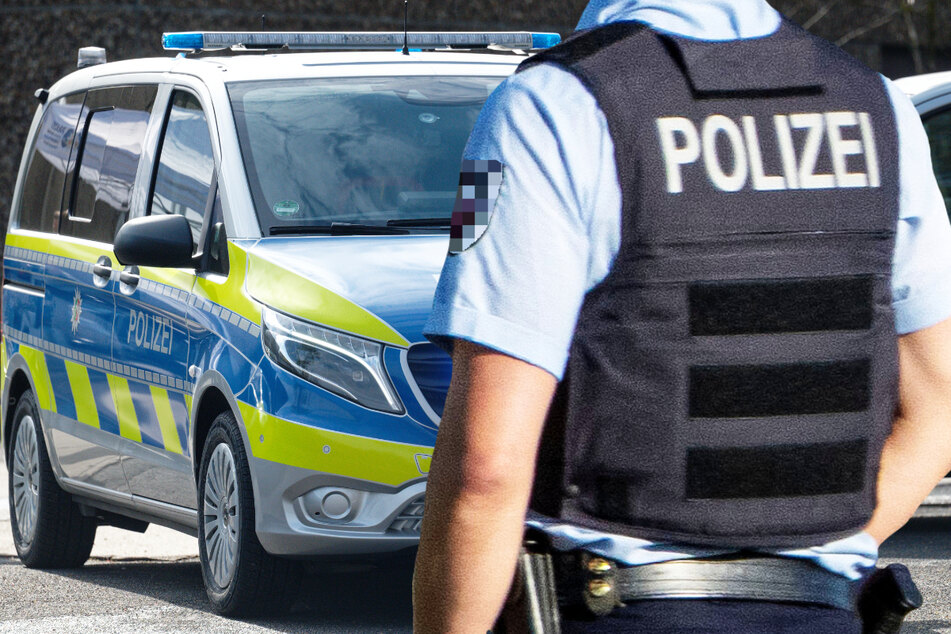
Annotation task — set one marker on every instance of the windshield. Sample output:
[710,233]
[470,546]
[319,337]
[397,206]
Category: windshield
[367,150]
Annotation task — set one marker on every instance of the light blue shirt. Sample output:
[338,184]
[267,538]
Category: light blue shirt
[555,231]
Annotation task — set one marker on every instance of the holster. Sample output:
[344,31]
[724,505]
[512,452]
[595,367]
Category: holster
[532,604]
[887,596]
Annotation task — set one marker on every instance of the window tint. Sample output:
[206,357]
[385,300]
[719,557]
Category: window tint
[113,125]
[42,197]
[938,127]
[186,163]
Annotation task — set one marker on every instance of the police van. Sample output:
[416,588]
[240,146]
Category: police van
[216,274]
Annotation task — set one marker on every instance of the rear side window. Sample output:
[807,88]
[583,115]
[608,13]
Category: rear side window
[112,130]
[42,198]
[186,163]
[938,127]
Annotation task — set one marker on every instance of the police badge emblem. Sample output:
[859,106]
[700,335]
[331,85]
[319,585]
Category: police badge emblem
[479,185]
[76,312]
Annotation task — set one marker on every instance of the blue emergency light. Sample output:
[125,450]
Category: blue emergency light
[314,40]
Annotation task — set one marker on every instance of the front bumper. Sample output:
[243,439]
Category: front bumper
[303,513]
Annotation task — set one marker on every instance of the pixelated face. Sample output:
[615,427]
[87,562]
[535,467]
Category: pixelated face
[479,184]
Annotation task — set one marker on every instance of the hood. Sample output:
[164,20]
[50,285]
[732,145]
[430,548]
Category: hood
[367,285]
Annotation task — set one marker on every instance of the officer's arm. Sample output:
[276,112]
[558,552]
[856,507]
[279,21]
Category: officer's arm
[918,451]
[478,489]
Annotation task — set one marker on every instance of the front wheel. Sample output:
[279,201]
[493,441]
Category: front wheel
[240,577]
[49,530]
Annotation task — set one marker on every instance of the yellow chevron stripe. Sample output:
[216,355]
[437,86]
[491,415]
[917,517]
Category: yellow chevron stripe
[284,442]
[125,410]
[163,409]
[83,397]
[36,361]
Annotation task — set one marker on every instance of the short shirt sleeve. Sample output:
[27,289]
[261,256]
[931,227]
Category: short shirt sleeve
[516,284]
[921,268]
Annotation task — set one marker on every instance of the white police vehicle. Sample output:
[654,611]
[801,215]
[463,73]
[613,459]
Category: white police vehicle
[931,94]
[216,274]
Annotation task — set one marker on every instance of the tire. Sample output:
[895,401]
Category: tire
[241,578]
[49,531]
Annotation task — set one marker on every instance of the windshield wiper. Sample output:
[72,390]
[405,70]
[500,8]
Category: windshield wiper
[419,222]
[337,229]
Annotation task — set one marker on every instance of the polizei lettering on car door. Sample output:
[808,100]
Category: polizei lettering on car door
[150,331]
[732,151]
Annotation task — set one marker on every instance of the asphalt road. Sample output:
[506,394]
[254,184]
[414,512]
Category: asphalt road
[148,596]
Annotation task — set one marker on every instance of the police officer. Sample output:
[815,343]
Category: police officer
[684,243]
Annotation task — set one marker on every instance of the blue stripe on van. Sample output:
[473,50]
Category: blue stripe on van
[108,421]
[180,412]
[145,412]
[61,387]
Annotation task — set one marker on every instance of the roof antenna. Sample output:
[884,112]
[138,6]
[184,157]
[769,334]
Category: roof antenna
[405,33]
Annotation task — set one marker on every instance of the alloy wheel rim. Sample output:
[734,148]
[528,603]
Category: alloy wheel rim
[221,515]
[25,474]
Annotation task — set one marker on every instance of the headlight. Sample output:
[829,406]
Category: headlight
[349,366]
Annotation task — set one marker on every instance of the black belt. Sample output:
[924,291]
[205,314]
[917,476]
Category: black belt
[600,585]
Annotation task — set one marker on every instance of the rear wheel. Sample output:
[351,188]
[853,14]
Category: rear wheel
[49,531]
[240,577]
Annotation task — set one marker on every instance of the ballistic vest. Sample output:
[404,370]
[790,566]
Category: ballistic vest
[732,380]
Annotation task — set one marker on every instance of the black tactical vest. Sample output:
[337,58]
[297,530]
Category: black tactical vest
[733,378]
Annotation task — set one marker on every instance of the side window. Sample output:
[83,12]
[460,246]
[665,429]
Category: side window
[42,197]
[186,163]
[108,151]
[938,127]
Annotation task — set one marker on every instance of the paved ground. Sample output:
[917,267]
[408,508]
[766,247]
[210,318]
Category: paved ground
[152,583]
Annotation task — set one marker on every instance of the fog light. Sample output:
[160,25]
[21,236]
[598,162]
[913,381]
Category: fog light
[336,505]
[332,505]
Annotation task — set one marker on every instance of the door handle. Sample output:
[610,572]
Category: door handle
[129,279]
[102,270]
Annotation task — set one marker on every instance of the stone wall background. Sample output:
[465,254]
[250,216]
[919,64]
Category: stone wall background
[39,40]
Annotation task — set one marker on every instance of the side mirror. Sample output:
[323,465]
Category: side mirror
[163,241]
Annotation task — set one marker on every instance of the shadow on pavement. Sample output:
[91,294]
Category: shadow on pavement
[333,596]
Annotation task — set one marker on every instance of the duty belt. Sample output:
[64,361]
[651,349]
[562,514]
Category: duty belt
[599,585]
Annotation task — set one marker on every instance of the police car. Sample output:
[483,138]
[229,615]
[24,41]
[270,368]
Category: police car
[931,94]
[216,275]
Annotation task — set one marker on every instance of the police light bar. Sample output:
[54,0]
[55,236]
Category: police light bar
[313,40]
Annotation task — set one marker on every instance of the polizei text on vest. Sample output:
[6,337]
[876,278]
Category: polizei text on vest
[806,150]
